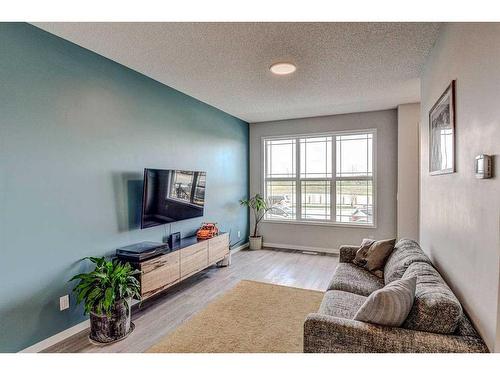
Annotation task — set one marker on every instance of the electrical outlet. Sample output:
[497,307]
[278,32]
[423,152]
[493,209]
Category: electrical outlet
[64,302]
[239,234]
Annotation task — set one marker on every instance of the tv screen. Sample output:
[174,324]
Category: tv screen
[171,195]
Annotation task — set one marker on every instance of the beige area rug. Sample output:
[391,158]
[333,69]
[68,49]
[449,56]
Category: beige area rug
[253,317]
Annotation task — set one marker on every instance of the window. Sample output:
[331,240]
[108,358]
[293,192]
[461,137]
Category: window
[321,178]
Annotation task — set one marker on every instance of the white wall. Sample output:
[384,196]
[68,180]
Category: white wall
[408,170]
[459,215]
[329,238]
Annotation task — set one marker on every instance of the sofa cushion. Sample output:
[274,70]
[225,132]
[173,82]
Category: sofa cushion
[353,279]
[436,309]
[341,304]
[390,305]
[405,253]
[465,328]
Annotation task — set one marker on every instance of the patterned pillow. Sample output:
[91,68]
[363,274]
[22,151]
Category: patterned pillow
[390,305]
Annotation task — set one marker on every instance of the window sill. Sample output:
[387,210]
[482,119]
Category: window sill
[321,223]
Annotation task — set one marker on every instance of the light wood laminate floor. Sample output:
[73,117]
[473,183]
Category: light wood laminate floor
[159,316]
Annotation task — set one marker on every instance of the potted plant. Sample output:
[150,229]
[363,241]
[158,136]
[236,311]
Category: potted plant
[106,293]
[259,207]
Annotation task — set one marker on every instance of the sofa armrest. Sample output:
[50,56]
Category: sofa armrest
[347,253]
[328,334]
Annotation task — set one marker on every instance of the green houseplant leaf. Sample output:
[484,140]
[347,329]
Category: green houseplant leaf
[108,283]
[259,207]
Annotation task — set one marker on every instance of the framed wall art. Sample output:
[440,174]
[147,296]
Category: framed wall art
[442,133]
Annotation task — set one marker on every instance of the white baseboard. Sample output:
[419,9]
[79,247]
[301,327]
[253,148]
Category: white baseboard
[58,337]
[302,248]
[241,247]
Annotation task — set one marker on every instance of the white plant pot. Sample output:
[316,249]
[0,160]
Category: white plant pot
[255,242]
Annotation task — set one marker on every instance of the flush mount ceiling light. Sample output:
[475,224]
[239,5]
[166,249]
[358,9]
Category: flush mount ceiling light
[282,68]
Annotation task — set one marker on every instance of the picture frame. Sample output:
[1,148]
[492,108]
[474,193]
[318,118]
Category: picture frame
[442,133]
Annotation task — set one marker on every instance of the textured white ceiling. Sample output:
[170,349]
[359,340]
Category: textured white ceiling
[341,67]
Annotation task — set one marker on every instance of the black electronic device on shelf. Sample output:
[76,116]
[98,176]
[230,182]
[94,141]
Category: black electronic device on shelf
[174,240]
[142,251]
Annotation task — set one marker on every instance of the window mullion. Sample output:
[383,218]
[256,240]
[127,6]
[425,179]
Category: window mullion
[355,178]
[298,185]
[266,167]
[333,183]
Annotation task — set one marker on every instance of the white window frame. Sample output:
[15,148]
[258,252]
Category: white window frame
[333,179]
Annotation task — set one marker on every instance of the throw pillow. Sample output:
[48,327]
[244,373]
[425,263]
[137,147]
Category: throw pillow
[390,305]
[360,258]
[378,253]
[372,255]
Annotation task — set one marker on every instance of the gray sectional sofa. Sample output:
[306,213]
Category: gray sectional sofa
[436,322]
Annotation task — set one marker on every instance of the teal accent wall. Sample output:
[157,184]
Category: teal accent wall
[76,132]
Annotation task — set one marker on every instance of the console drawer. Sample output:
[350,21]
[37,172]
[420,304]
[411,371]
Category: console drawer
[159,273]
[218,248]
[194,262]
[223,238]
[193,249]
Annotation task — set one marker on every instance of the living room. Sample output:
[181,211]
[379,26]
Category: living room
[249,187]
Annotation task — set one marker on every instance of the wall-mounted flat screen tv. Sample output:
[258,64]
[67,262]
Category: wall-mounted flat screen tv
[171,195]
